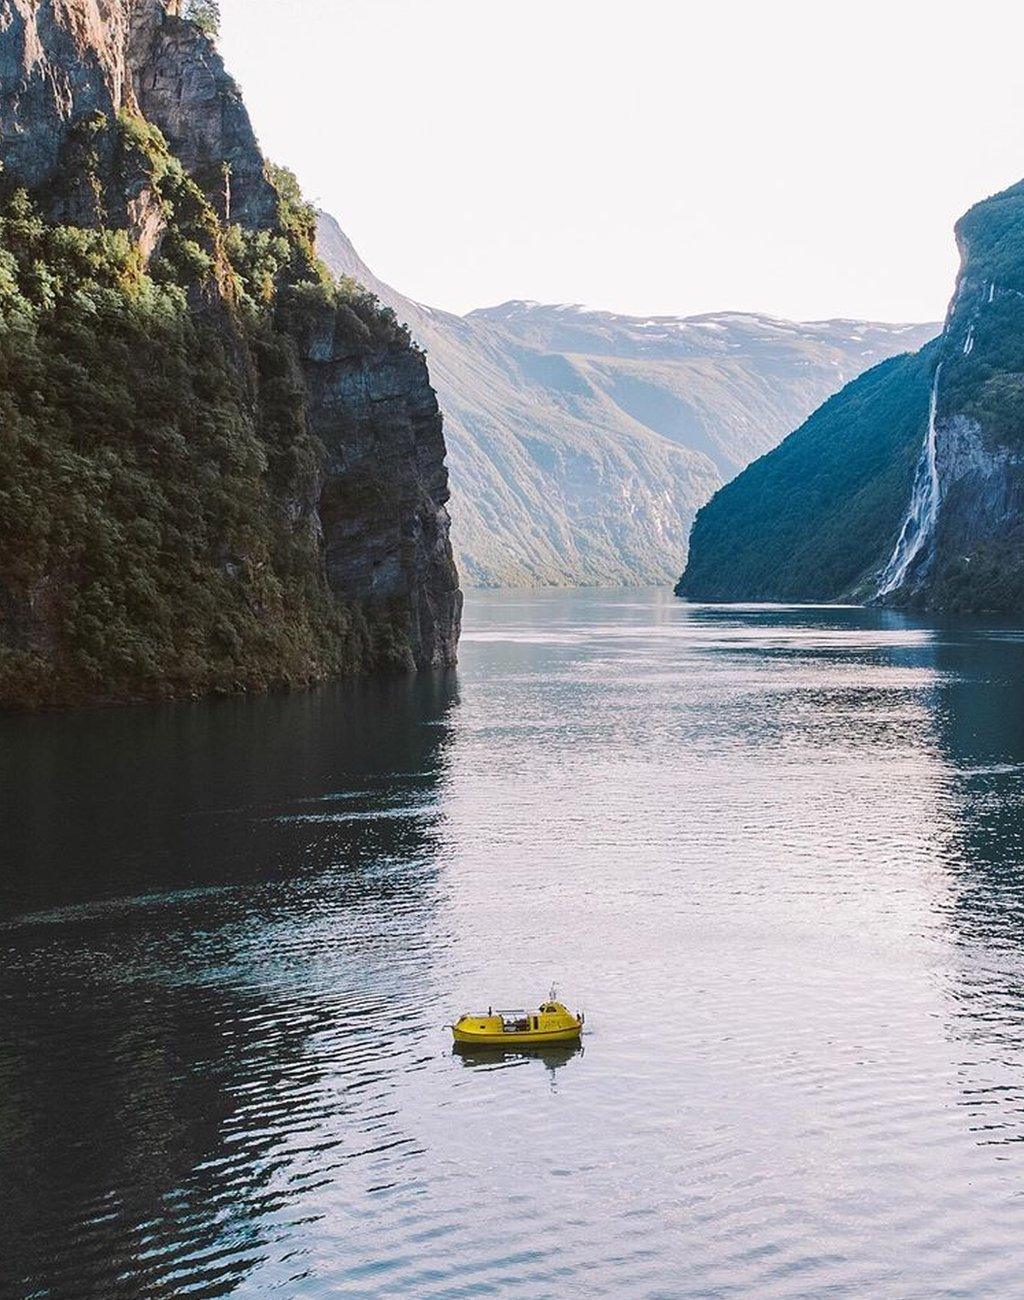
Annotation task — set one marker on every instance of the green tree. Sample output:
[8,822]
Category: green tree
[205,14]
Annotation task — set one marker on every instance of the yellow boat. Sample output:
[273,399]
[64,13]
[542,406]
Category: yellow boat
[550,1023]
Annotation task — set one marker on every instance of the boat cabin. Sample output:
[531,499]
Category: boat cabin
[551,1022]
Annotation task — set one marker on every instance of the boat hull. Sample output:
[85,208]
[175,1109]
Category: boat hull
[515,1038]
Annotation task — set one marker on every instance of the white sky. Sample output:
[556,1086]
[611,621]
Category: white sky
[801,157]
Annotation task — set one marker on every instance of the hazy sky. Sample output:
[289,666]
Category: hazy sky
[801,157]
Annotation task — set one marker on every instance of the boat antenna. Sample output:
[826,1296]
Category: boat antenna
[553,995]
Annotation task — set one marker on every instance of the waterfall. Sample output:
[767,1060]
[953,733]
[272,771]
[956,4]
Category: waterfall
[924,506]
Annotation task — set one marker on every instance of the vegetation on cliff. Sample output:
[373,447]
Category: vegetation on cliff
[983,378]
[157,536]
[815,518]
[205,14]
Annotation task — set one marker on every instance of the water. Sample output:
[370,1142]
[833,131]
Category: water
[776,854]
[919,524]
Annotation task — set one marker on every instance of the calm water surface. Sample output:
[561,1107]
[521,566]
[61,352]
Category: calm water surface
[776,854]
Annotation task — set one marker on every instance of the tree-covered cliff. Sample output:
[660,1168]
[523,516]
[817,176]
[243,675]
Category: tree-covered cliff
[906,488]
[972,558]
[220,469]
[816,518]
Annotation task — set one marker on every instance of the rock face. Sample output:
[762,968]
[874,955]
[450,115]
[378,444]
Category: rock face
[581,442]
[181,87]
[971,551]
[257,453]
[925,467]
[382,504]
[60,63]
[65,62]
[982,491]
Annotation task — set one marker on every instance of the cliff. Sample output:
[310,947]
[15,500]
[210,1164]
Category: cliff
[907,489]
[220,469]
[967,513]
[815,518]
[581,442]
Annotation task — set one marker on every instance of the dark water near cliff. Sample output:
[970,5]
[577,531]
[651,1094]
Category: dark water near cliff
[778,856]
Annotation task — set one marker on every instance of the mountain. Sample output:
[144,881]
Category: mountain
[907,488]
[219,469]
[582,442]
[813,518]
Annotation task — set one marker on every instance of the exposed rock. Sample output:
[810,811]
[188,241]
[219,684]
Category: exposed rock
[61,61]
[981,513]
[146,220]
[383,501]
[181,87]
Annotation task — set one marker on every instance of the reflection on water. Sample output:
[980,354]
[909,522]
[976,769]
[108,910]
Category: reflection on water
[118,803]
[778,854]
[173,1058]
[553,1057]
[981,727]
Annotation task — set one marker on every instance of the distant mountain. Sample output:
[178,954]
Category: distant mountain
[907,488]
[581,442]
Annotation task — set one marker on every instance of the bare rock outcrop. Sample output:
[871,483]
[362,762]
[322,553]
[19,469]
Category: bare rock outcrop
[383,503]
[61,62]
[181,86]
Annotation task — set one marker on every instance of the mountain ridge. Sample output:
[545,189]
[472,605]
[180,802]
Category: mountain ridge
[581,442]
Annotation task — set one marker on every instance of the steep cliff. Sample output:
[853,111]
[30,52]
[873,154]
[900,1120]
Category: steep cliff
[581,442]
[969,554]
[220,469]
[815,519]
[908,487]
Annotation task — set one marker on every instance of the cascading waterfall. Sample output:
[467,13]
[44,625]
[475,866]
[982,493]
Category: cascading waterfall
[924,507]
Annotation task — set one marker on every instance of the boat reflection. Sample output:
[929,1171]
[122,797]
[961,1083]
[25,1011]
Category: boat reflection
[553,1056]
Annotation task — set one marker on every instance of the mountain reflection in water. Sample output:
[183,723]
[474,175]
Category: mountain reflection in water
[776,853]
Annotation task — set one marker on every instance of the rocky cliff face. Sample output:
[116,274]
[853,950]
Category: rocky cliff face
[219,469]
[60,63]
[970,550]
[63,62]
[381,504]
[181,86]
[907,489]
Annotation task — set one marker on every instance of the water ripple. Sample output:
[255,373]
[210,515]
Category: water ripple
[776,853]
